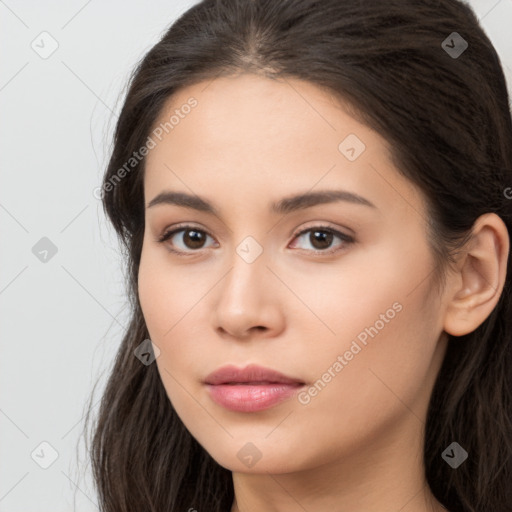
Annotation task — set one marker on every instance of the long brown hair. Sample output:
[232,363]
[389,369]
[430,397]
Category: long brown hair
[446,116]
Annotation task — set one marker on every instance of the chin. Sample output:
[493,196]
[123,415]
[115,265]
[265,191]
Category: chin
[247,458]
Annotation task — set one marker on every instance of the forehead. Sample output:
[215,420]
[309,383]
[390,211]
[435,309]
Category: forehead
[270,111]
[248,133]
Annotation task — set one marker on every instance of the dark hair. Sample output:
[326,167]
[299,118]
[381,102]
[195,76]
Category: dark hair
[447,120]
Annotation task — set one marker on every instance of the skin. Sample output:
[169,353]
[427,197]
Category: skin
[357,445]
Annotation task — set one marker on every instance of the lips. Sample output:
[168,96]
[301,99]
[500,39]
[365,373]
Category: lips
[250,389]
[250,375]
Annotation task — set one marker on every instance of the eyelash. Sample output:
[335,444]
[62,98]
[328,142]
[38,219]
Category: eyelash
[348,240]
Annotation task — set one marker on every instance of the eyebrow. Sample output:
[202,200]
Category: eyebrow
[283,206]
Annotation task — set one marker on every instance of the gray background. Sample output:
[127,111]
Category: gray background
[62,319]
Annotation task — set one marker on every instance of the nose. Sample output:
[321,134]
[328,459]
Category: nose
[248,301]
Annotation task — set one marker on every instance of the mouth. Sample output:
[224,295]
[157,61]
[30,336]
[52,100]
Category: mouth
[253,388]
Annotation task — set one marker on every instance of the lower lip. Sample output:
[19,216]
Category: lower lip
[251,398]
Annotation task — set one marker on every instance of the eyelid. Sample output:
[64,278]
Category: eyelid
[319,225]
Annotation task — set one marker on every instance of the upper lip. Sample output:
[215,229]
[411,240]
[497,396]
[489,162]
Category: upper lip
[253,373]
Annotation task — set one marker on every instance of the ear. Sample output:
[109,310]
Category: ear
[476,286]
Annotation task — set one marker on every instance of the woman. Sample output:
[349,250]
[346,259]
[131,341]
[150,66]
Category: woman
[314,198]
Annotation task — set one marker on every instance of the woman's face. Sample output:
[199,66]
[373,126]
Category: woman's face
[348,315]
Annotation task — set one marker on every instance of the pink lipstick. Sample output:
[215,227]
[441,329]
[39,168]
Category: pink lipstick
[250,389]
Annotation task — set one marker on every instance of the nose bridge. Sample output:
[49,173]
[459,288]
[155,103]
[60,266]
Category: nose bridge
[248,269]
[249,250]
[245,299]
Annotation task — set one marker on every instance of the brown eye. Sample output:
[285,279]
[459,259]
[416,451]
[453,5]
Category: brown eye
[321,239]
[192,239]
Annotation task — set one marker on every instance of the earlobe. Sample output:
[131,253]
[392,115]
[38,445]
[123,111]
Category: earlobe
[477,285]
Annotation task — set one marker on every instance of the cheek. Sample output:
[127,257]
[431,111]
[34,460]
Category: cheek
[165,301]
[153,296]
[375,384]
[386,362]
[381,323]
[163,292]
[349,296]
[170,299]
